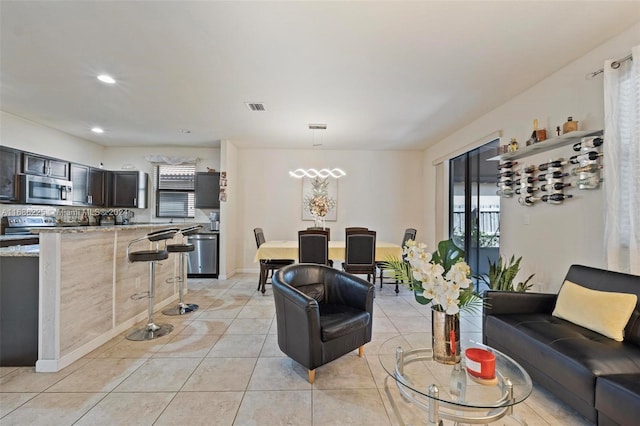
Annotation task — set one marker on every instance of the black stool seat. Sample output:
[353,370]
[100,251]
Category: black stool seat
[163,234]
[180,248]
[148,255]
[190,230]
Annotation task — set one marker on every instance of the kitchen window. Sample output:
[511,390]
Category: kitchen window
[175,190]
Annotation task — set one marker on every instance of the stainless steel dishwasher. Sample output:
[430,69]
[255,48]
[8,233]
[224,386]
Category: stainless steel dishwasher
[203,261]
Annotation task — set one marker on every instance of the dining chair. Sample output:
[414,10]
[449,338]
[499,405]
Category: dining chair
[320,228]
[313,246]
[355,228]
[409,234]
[267,266]
[328,237]
[360,252]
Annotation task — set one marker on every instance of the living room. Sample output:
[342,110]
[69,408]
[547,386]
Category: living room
[390,189]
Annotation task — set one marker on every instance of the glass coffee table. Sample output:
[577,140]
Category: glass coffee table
[445,393]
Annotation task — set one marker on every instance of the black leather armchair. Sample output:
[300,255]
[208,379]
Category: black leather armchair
[322,313]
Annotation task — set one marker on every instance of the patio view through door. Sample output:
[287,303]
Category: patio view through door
[474,207]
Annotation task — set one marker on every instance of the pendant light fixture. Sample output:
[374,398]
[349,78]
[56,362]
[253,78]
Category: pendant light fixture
[315,173]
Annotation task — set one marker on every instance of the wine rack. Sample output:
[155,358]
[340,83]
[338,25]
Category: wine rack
[548,181]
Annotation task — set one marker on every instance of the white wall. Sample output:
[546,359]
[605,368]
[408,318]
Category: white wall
[382,191]
[115,158]
[558,235]
[19,133]
[230,239]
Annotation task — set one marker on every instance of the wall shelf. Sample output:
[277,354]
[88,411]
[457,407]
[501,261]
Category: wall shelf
[547,145]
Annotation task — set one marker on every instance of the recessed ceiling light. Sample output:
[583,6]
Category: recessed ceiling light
[97,130]
[185,131]
[106,79]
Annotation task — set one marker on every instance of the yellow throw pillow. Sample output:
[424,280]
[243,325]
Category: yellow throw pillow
[604,312]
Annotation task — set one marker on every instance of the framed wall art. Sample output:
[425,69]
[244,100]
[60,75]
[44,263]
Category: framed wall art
[320,199]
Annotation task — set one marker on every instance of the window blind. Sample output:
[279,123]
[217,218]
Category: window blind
[181,177]
[175,190]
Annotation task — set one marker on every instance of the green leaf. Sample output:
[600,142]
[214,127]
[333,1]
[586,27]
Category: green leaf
[502,274]
[447,255]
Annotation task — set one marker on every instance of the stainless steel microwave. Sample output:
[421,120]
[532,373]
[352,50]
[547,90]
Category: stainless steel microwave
[45,190]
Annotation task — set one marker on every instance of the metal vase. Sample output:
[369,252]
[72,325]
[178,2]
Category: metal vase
[445,340]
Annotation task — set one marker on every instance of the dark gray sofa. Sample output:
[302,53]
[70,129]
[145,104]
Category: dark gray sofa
[597,376]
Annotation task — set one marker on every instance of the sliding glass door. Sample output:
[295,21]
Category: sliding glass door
[474,207]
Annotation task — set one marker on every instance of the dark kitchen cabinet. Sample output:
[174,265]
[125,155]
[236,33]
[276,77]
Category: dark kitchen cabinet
[207,190]
[44,166]
[128,189]
[19,277]
[9,167]
[88,185]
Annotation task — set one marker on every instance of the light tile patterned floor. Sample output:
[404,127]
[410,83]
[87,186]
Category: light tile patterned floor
[222,366]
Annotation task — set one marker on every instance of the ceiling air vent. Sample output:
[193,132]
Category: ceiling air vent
[255,106]
[317,127]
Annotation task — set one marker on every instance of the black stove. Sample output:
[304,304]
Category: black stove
[22,225]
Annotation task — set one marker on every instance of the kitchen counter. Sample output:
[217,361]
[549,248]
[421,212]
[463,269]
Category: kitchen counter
[106,228]
[207,232]
[86,293]
[16,237]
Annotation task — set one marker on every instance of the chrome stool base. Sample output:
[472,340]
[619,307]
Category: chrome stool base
[181,309]
[150,331]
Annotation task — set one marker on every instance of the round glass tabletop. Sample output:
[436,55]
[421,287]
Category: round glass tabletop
[408,359]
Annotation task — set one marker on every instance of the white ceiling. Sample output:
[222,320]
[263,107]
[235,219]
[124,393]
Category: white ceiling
[381,75]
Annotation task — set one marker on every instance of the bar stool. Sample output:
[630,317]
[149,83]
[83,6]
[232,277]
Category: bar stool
[183,249]
[151,330]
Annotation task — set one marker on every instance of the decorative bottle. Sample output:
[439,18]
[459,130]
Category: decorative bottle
[557,163]
[587,156]
[505,192]
[589,181]
[570,125]
[589,143]
[526,190]
[555,198]
[557,186]
[589,168]
[507,182]
[458,381]
[552,175]
[507,164]
[527,201]
[525,180]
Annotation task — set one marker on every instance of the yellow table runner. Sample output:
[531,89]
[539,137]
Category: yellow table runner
[289,250]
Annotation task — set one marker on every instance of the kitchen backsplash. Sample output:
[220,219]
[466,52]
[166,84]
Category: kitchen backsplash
[72,215]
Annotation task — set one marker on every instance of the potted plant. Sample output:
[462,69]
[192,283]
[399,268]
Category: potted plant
[502,273]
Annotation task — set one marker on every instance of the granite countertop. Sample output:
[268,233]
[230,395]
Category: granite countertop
[32,250]
[207,232]
[17,237]
[108,228]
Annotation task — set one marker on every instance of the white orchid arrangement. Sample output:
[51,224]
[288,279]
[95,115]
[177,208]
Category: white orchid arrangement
[440,279]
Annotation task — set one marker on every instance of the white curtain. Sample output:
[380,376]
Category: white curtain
[622,164]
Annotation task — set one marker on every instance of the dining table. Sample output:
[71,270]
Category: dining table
[285,249]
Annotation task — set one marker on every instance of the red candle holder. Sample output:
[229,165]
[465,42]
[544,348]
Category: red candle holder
[480,363]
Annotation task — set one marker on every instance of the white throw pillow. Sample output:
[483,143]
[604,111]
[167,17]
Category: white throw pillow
[604,312]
